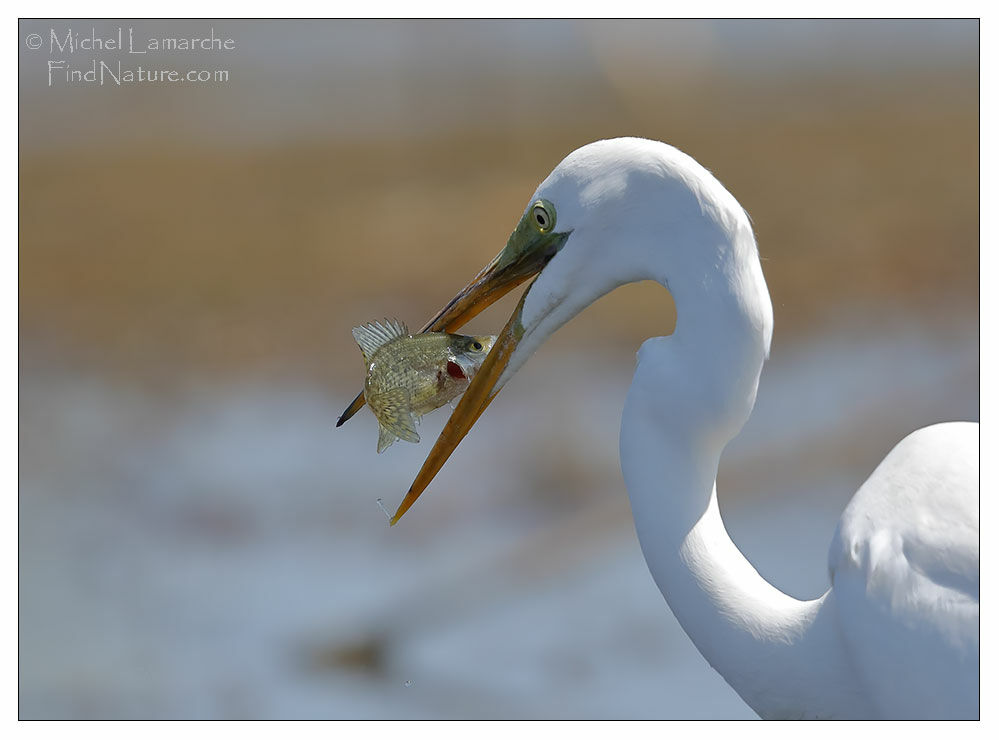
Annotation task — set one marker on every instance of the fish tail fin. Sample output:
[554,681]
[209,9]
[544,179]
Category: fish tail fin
[370,337]
[395,418]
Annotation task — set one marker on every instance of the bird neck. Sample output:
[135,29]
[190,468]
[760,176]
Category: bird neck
[691,394]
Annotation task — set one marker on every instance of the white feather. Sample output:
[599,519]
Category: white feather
[896,636]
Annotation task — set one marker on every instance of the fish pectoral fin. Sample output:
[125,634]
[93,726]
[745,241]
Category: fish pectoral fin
[395,419]
[374,335]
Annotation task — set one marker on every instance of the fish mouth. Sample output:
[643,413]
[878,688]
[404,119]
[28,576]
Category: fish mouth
[524,256]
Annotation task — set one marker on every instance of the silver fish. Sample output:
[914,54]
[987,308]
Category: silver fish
[411,375]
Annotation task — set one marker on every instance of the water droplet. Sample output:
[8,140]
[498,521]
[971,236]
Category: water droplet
[408,683]
[382,507]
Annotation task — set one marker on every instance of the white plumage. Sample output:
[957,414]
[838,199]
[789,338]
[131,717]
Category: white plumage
[904,567]
[896,635]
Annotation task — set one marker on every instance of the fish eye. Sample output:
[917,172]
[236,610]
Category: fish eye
[477,346]
[543,216]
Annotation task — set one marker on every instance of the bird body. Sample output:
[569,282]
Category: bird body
[904,565]
[896,635]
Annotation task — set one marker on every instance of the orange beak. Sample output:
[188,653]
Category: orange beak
[481,392]
[491,284]
[530,247]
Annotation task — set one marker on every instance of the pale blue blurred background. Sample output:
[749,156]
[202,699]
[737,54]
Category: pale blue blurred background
[197,540]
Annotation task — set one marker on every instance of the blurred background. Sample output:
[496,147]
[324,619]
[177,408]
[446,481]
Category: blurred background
[195,537]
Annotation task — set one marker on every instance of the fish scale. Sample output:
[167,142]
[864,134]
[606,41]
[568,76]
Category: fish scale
[411,375]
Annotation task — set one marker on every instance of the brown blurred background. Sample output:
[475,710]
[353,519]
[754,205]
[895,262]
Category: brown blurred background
[209,246]
[188,231]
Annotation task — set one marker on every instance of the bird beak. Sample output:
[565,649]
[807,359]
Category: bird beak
[506,271]
[480,393]
[524,256]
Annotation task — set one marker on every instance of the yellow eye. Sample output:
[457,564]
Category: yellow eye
[543,216]
[477,346]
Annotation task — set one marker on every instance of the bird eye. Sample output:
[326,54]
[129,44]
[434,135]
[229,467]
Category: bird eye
[543,216]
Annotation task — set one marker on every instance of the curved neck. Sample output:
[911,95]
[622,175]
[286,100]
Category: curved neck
[691,394]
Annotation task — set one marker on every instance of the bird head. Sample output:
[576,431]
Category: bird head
[589,228]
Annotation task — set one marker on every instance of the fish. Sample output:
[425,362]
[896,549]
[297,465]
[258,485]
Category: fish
[411,375]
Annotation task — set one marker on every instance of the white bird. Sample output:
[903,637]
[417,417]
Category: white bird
[896,634]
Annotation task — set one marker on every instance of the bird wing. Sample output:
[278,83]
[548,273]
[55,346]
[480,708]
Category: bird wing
[904,566]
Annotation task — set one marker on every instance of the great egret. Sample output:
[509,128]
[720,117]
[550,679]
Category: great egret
[896,635]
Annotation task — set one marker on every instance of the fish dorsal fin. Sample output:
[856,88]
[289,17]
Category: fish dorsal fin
[374,335]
